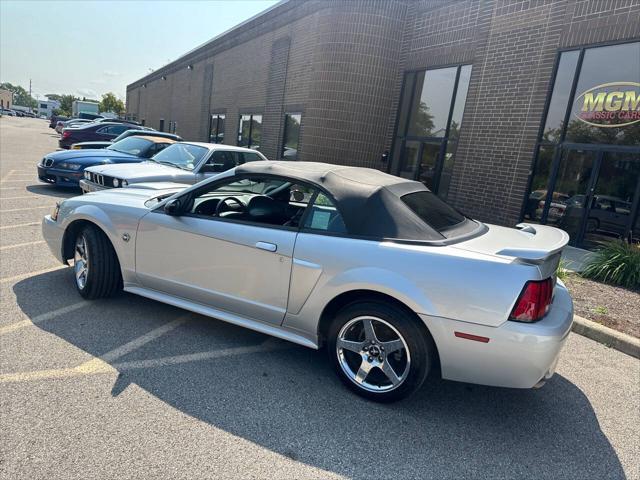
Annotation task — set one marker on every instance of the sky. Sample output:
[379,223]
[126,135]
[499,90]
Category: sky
[88,48]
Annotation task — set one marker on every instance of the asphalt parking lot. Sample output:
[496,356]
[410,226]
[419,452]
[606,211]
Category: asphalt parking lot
[131,388]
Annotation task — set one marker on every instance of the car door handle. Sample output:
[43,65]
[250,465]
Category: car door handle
[269,247]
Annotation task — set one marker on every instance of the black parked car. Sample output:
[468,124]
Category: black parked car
[57,118]
[104,131]
[148,132]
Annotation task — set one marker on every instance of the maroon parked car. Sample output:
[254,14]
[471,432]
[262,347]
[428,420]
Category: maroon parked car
[90,132]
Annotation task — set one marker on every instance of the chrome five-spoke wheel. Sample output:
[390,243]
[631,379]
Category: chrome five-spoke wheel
[373,354]
[81,262]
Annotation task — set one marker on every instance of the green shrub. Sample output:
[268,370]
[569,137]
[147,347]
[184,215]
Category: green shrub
[618,263]
[563,270]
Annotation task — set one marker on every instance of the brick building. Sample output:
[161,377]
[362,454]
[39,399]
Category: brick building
[509,109]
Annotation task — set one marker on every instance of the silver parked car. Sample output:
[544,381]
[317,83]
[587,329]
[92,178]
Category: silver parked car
[184,162]
[391,279]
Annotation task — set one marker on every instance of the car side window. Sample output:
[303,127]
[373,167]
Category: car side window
[264,200]
[221,161]
[324,216]
[250,157]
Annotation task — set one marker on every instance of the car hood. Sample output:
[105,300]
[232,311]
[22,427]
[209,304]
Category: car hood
[145,172]
[87,156]
[131,196]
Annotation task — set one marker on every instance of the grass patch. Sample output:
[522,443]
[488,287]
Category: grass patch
[563,271]
[617,263]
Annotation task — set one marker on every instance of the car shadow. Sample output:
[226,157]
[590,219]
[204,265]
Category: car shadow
[53,191]
[288,400]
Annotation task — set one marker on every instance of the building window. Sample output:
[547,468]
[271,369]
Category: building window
[291,136]
[216,128]
[161,126]
[429,121]
[589,146]
[250,131]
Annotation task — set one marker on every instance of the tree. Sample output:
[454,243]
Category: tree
[20,95]
[66,104]
[110,103]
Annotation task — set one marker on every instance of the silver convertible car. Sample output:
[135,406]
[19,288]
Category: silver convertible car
[393,281]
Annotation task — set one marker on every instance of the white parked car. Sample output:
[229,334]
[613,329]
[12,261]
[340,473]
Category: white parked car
[184,162]
[379,269]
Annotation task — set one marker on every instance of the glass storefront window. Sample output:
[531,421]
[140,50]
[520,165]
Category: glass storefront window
[537,196]
[216,130]
[432,103]
[291,136]
[461,99]
[560,96]
[596,168]
[428,125]
[250,131]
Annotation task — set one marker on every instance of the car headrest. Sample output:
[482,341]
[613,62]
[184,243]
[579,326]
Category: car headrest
[266,208]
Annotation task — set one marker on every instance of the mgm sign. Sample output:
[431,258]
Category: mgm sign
[615,104]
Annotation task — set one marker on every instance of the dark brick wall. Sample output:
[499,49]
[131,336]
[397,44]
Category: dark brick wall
[341,63]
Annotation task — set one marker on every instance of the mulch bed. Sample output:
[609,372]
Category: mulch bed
[613,307]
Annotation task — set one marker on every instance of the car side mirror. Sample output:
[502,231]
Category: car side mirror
[172,207]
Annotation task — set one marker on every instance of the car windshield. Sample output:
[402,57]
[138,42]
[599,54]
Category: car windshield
[132,146]
[181,155]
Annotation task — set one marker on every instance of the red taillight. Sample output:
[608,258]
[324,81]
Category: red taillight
[66,134]
[534,301]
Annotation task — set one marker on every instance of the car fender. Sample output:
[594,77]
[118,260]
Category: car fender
[374,279]
[114,226]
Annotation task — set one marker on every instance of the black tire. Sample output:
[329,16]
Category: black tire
[418,340]
[104,278]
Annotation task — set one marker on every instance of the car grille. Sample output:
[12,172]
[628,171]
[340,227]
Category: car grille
[103,180]
[47,162]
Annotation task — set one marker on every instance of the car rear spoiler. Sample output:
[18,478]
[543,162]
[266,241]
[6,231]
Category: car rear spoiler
[545,243]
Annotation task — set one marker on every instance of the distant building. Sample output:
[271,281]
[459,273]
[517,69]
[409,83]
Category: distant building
[82,106]
[46,107]
[6,98]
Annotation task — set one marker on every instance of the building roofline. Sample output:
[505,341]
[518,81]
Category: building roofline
[218,39]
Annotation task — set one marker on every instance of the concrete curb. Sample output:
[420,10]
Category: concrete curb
[607,336]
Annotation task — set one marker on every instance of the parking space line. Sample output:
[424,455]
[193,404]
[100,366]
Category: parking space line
[19,225]
[26,197]
[43,317]
[267,346]
[144,339]
[32,274]
[98,365]
[25,209]
[18,245]
[7,175]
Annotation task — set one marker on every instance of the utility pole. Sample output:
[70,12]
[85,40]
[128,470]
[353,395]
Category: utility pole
[30,108]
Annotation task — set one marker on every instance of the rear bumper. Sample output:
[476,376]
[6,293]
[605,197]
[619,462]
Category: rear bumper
[517,355]
[52,232]
[62,178]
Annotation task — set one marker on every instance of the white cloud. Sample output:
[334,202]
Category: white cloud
[110,73]
[87,92]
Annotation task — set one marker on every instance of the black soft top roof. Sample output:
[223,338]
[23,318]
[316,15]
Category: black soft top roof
[368,199]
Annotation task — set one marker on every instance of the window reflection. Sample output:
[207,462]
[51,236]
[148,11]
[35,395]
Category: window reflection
[560,96]
[291,136]
[429,122]
[432,103]
[537,197]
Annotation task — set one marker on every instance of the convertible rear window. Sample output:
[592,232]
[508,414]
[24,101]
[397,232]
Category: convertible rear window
[433,211]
